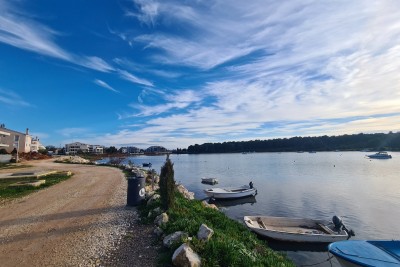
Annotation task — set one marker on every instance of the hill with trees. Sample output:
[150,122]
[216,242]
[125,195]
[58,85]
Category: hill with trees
[373,142]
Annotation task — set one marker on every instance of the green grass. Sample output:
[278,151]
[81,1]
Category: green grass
[4,166]
[10,192]
[231,245]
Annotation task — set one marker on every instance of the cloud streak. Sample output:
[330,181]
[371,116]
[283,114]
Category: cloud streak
[105,85]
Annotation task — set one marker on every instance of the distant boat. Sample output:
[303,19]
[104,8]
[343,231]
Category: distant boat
[231,192]
[380,155]
[209,180]
[366,253]
[312,152]
[298,229]
[146,164]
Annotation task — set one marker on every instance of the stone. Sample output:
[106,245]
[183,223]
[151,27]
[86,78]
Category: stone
[153,198]
[185,192]
[184,256]
[157,211]
[161,219]
[170,239]
[158,231]
[207,205]
[204,232]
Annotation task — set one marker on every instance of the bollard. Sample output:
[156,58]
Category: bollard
[136,192]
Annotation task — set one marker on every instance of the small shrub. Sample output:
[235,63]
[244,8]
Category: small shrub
[167,185]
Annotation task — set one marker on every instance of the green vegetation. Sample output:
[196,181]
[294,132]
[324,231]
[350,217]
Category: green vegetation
[167,185]
[4,166]
[378,141]
[231,245]
[9,192]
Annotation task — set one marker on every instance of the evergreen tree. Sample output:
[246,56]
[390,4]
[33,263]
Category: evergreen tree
[167,184]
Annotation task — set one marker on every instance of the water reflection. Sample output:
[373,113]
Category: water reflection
[233,202]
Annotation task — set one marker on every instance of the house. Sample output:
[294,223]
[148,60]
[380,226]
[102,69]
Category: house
[10,139]
[76,147]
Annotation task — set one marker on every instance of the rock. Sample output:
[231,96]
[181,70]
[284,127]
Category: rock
[161,219]
[184,256]
[204,232]
[207,205]
[158,231]
[156,211]
[174,237]
[185,192]
[153,198]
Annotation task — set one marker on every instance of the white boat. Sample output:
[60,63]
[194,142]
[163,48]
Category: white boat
[298,229]
[209,180]
[231,192]
[367,253]
[380,155]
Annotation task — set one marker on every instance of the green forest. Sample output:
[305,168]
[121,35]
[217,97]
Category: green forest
[372,142]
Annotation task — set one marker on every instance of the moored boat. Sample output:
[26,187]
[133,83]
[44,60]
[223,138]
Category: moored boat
[380,155]
[366,253]
[146,164]
[299,229]
[209,180]
[231,192]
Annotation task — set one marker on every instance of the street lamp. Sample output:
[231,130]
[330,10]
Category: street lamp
[16,145]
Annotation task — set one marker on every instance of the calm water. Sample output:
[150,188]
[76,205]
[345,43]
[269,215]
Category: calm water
[366,193]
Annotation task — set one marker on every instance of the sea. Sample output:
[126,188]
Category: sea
[364,192]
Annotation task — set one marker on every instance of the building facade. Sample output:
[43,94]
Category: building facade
[10,139]
[78,147]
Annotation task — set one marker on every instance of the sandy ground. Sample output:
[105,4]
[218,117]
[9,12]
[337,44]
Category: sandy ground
[82,221]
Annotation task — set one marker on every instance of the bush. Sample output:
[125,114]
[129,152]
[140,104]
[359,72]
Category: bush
[167,185]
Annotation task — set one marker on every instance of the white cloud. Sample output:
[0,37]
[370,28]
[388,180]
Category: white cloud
[10,98]
[105,85]
[132,78]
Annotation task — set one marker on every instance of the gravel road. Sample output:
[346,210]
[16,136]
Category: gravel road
[83,221]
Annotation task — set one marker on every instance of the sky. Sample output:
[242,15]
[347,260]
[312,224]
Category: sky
[176,73]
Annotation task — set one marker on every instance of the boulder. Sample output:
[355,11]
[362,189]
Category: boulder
[153,198]
[204,232]
[173,238]
[184,256]
[161,219]
[157,211]
[158,231]
[185,192]
[207,205]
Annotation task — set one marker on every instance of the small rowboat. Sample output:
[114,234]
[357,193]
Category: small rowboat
[231,192]
[298,229]
[209,180]
[367,253]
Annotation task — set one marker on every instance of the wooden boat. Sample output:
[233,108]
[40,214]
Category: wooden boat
[298,229]
[367,253]
[209,180]
[231,192]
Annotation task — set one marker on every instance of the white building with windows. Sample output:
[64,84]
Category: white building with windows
[10,139]
[76,147]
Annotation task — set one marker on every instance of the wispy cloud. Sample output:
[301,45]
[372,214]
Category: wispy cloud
[105,85]
[10,98]
[132,78]
[72,132]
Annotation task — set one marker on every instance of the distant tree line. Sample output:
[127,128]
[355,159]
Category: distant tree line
[377,141]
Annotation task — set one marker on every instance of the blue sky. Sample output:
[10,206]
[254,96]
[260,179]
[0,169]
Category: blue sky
[178,73]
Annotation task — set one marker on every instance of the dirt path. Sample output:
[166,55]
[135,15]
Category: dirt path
[78,222]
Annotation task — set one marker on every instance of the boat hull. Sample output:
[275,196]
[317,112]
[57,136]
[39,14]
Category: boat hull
[219,193]
[366,253]
[293,229]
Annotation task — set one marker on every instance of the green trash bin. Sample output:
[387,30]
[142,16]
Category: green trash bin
[136,192]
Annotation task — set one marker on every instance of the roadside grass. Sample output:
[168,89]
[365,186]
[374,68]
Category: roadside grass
[4,166]
[11,192]
[231,245]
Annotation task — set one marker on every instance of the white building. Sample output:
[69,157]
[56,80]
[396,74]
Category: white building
[76,147]
[10,139]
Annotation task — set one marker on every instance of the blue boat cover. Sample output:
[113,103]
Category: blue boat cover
[368,253]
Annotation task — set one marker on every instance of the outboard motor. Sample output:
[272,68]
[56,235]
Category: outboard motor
[338,222]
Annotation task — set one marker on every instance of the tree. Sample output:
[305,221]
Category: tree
[167,184]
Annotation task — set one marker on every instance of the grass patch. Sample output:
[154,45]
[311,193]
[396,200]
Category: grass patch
[231,245]
[4,166]
[10,192]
